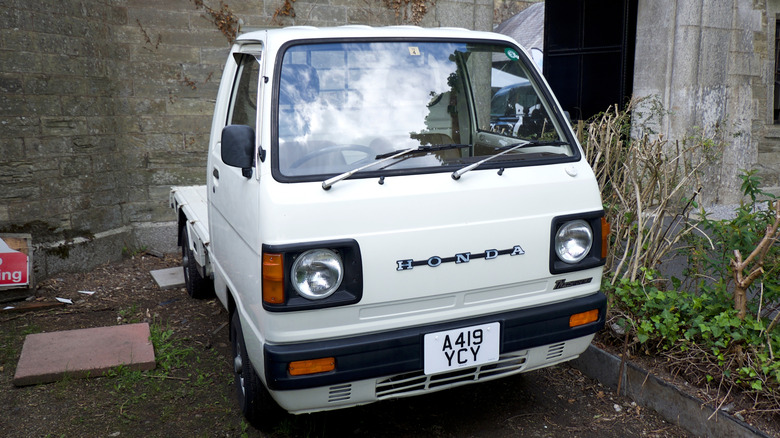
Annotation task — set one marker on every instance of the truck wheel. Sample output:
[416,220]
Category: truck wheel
[253,398]
[197,286]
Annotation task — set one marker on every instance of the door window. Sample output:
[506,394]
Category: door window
[243,109]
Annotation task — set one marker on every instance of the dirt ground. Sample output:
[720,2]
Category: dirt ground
[191,392]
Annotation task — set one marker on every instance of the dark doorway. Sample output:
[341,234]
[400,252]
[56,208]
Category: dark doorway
[589,53]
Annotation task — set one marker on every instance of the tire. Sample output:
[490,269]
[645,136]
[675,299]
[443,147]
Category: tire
[197,286]
[253,399]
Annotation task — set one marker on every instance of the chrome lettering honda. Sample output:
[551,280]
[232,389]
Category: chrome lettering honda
[459,258]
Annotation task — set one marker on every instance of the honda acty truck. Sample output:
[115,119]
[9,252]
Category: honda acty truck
[381,220]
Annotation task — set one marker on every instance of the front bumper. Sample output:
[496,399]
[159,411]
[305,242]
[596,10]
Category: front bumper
[401,351]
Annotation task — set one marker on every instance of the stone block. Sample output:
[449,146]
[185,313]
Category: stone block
[192,106]
[103,86]
[63,126]
[214,56]
[160,236]
[102,125]
[20,126]
[131,106]
[18,189]
[107,13]
[713,57]
[74,166]
[46,147]
[58,64]
[167,53]
[483,17]
[717,14]
[192,38]
[18,40]
[171,5]
[98,218]
[20,62]
[13,149]
[10,84]
[16,18]
[58,22]
[83,256]
[373,14]
[688,13]
[12,105]
[152,18]
[324,13]
[455,14]
[87,106]
[54,85]
[687,46]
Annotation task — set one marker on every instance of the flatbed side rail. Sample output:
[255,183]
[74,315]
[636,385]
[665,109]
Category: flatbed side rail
[191,206]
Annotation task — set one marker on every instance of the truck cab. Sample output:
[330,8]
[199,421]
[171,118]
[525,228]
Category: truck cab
[390,212]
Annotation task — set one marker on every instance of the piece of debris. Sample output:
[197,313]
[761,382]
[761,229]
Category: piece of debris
[155,253]
[169,278]
[31,305]
[64,300]
[86,292]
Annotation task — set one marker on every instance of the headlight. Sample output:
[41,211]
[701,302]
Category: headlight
[573,241]
[317,273]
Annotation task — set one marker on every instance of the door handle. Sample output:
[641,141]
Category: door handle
[215,172]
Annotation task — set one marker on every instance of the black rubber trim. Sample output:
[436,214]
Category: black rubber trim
[401,351]
[350,291]
[593,259]
[537,78]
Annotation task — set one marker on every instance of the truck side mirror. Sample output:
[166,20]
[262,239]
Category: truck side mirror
[238,148]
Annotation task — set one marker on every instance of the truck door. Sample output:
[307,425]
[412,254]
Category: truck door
[233,206]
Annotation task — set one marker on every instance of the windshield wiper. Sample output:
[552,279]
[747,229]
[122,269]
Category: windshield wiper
[506,149]
[441,147]
[531,143]
[328,183]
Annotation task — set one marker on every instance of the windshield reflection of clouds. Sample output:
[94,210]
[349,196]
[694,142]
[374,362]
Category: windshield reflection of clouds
[385,98]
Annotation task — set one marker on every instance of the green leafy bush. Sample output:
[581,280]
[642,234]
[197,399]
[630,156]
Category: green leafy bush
[700,331]
[718,325]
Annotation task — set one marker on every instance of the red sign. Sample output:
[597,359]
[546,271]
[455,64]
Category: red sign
[13,266]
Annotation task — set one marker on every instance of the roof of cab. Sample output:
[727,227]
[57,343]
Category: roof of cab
[361,31]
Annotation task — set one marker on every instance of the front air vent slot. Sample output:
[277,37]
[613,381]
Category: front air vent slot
[339,393]
[555,351]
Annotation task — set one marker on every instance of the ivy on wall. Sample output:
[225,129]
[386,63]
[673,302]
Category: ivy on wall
[409,11]
[224,18]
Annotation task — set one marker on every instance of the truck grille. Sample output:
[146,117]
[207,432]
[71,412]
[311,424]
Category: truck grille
[415,382]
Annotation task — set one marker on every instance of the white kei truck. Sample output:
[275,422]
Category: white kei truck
[390,212]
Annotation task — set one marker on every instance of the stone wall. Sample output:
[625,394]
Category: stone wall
[711,64]
[105,104]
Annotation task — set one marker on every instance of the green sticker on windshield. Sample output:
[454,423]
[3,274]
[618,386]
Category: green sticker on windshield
[512,54]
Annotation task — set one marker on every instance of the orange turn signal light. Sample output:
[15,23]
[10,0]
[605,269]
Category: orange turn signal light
[583,318]
[606,229]
[303,367]
[273,278]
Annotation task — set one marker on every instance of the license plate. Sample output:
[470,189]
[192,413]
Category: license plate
[460,348]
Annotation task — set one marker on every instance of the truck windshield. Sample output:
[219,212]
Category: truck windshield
[342,106]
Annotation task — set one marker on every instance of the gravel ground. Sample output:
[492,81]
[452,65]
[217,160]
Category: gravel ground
[191,392]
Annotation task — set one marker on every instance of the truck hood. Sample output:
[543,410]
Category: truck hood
[479,233]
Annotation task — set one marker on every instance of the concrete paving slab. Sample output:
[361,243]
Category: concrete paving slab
[169,278]
[48,357]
